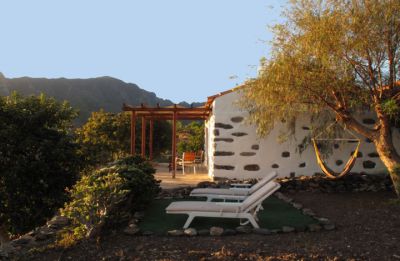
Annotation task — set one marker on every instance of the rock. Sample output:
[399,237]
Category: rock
[216,231]
[44,234]
[131,230]
[203,232]
[138,215]
[262,231]
[297,205]
[314,227]
[309,212]
[275,231]
[329,227]
[287,229]
[58,222]
[323,220]
[147,233]
[176,232]
[244,229]
[25,239]
[301,228]
[229,232]
[190,232]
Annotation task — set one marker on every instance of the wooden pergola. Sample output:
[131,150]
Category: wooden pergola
[173,113]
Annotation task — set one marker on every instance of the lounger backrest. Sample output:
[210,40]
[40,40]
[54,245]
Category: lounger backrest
[259,196]
[270,176]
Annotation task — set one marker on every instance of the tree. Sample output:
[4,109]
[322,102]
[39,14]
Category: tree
[38,160]
[340,56]
[191,137]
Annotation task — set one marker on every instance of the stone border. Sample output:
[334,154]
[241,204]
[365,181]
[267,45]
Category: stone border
[323,224]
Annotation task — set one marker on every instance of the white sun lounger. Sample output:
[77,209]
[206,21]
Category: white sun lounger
[244,210]
[236,192]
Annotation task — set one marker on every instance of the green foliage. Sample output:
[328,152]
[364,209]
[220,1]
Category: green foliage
[38,159]
[125,186]
[191,137]
[106,137]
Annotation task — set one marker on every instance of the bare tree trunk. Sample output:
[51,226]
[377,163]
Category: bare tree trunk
[4,237]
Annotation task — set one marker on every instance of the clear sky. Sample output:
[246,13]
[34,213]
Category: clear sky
[179,49]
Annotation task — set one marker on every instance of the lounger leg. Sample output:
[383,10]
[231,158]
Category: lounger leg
[188,221]
[253,221]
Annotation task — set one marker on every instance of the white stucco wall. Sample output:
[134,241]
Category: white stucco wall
[221,143]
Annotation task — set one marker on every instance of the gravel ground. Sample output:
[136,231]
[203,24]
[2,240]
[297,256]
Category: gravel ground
[368,228]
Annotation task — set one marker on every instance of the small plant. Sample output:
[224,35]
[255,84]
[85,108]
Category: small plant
[120,189]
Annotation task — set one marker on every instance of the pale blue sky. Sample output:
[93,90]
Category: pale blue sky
[179,49]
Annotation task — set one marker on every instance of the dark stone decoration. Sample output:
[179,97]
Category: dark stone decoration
[302,165]
[373,155]
[339,162]
[336,146]
[216,132]
[239,134]
[223,125]
[237,119]
[223,139]
[352,141]
[225,167]
[275,166]
[368,164]
[255,147]
[252,167]
[359,154]
[285,154]
[292,174]
[305,128]
[368,121]
[223,153]
[247,154]
[367,140]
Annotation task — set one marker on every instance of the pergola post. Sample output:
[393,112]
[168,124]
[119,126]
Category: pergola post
[174,118]
[133,132]
[143,149]
[151,139]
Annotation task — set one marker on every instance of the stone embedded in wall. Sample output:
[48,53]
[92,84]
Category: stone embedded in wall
[336,146]
[302,165]
[252,167]
[305,128]
[285,154]
[224,167]
[373,155]
[359,154]
[368,140]
[352,141]
[247,154]
[292,174]
[223,139]
[368,121]
[223,125]
[239,134]
[223,153]
[216,132]
[339,162]
[368,164]
[255,147]
[237,119]
[274,166]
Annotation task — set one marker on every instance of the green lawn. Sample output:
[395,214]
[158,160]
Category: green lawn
[276,214]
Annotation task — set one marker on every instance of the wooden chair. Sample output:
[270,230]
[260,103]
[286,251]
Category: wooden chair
[188,159]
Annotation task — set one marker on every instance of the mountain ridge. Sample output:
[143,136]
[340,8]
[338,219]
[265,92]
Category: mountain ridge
[86,94]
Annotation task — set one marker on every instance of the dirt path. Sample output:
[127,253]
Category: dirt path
[368,228]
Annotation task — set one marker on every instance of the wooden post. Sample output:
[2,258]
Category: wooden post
[133,132]
[143,137]
[151,139]
[174,143]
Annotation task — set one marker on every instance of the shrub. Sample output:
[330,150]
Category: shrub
[120,189]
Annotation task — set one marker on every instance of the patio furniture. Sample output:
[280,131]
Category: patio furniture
[236,192]
[244,210]
[188,159]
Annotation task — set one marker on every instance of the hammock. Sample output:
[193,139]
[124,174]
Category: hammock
[330,173]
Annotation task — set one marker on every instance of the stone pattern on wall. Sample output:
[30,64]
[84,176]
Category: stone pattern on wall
[239,153]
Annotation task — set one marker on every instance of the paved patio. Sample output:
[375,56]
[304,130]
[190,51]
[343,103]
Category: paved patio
[180,180]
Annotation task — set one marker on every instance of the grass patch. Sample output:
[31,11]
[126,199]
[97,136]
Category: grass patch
[276,214]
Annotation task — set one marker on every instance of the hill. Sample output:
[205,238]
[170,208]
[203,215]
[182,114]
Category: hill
[87,95]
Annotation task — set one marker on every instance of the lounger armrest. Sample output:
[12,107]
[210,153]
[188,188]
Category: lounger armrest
[241,185]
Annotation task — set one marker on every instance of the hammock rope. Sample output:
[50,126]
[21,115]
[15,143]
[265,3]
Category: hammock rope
[350,163]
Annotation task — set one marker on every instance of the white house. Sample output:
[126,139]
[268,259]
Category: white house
[233,149]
